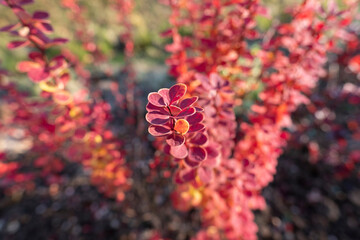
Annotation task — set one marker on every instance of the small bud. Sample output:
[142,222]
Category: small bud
[24,31]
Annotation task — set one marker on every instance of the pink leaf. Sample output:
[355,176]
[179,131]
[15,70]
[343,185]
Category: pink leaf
[210,110]
[164,92]
[204,174]
[205,83]
[173,47]
[157,118]
[38,74]
[216,81]
[179,152]
[159,131]
[197,154]
[228,114]
[150,107]
[156,99]
[26,66]
[187,102]
[176,92]
[175,140]
[62,97]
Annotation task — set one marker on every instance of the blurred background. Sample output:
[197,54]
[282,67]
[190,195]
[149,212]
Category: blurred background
[315,193]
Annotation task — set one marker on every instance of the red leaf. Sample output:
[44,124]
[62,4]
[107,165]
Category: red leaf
[57,63]
[198,109]
[199,139]
[197,154]
[80,133]
[159,131]
[186,112]
[39,38]
[45,27]
[354,64]
[176,92]
[64,78]
[58,41]
[40,15]
[196,127]
[212,152]
[150,107]
[41,161]
[22,14]
[157,118]
[24,2]
[16,44]
[179,152]
[8,27]
[187,102]
[196,118]
[166,33]
[188,175]
[191,163]
[156,99]
[175,140]
[175,110]
[37,57]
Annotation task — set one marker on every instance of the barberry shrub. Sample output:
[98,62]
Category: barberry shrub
[219,130]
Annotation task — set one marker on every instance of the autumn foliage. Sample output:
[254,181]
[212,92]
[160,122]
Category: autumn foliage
[222,151]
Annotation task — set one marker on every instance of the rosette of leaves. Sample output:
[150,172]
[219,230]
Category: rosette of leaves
[176,118]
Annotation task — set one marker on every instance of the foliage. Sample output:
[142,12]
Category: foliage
[220,152]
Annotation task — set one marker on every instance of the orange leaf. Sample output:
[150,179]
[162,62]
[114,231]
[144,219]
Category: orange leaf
[182,126]
[62,97]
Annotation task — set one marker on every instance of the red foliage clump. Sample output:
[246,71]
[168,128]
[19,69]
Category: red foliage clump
[63,117]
